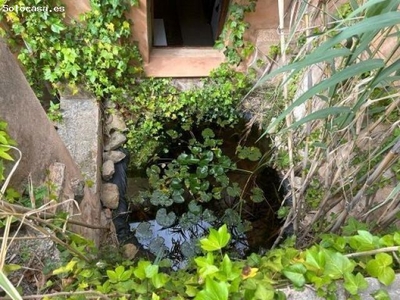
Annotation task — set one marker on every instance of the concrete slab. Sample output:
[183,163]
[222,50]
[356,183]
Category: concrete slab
[81,132]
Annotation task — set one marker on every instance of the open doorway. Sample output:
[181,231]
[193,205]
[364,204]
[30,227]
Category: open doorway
[187,23]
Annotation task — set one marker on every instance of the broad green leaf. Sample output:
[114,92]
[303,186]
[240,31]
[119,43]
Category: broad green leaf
[8,268]
[57,27]
[157,245]
[380,268]
[354,283]
[159,280]
[5,155]
[3,139]
[264,293]
[296,273]
[337,264]
[139,271]
[206,265]
[65,269]
[113,276]
[125,275]
[364,241]
[119,271]
[206,268]
[151,270]
[213,291]
[216,240]
[315,260]
[381,294]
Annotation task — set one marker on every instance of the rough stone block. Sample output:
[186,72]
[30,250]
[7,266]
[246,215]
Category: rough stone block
[108,170]
[115,141]
[114,156]
[110,195]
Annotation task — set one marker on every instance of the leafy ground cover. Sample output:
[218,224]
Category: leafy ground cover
[338,156]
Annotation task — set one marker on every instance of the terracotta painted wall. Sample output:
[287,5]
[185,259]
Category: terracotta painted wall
[266,15]
[141,30]
[76,7]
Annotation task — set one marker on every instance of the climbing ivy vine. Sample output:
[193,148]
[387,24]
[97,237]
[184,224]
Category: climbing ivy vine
[231,40]
[94,52]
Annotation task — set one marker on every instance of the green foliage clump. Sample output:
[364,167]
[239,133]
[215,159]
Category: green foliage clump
[215,275]
[157,112]
[94,52]
[232,37]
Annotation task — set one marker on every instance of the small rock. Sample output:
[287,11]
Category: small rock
[115,122]
[109,104]
[129,251]
[107,170]
[114,156]
[110,195]
[78,188]
[115,141]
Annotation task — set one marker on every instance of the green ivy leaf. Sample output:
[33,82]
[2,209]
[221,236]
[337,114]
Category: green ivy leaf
[159,280]
[315,260]
[337,264]
[380,268]
[151,270]
[206,265]
[216,240]
[381,295]
[295,273]
[354,283]
[364,241]
[139,271]
[213,291]
[264,293]
[57,27]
